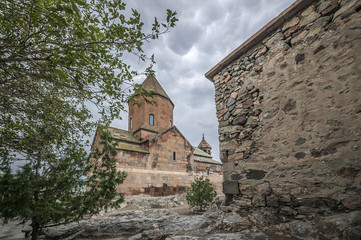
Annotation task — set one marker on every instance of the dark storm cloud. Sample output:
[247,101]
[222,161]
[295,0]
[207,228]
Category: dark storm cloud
[206,33]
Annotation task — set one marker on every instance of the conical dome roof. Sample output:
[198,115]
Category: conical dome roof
[152,84]
[203,144]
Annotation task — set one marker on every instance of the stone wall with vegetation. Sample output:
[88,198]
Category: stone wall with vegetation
[289,113]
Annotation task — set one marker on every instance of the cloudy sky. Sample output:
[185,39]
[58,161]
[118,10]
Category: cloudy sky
[207,32]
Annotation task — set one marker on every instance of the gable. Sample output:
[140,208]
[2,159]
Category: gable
[172,130]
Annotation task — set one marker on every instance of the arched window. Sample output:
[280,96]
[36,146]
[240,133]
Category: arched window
[131,123]
[174,157]
[151,120]
[170,123]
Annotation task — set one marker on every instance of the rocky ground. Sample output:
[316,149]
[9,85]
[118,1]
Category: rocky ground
[160,218]
[169,218]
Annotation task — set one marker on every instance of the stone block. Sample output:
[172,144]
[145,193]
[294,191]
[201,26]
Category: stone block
[272,201]
[352,203]
[290,31]
[307,210]
[293,22]
[240,120]
[259,201]
[255,174]
[230,187]
[329,9]
[228,166]
[288,211]
[309,19]
[264,189]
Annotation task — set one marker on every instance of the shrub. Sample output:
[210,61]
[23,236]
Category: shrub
[201,194]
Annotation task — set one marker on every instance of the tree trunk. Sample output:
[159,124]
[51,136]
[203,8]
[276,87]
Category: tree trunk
[35,231]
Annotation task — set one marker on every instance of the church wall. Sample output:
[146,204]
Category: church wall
[161,152]
[289,112]
[157,174]
[144,134]
[162,111]
[212,171]
[207,167]
[137,114]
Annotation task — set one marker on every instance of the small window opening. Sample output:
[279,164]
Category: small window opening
[174,156]
[170,123]
[131,123]
[151,120]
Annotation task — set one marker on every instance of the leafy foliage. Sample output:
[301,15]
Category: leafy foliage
[59,58]
[201,194]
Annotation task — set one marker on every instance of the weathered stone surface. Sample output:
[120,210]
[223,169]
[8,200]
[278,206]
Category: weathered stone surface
[235,218]
[331,8]
[321,22]
[352,203]
[307,210]
[340,225]
[303,228]
[299,37]
[299,58]
[309,19]
[274,39]
[305,139]
[264,189]
[258,201]
[230,102]
[293,22]
[290,105]
[272,201]
[300,155]
[255,174]
[240,120]
[124,223]
[347,7]
[290,31]
[288,211]
[227,236]
[230,187]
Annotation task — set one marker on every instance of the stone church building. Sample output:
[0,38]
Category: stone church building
[157,157]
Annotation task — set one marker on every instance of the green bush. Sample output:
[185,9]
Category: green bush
[201,194]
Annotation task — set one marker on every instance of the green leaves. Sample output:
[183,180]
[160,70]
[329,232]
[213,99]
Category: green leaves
[58,59]
[201,194]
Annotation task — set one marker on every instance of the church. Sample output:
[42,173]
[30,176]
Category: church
[157,157]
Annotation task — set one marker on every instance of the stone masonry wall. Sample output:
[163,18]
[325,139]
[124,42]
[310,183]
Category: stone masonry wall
[289,113]
[156,173]
[207,167]
[162,111]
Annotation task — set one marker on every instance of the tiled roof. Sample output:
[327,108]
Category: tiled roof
[122,135]
[200,152]
[131,147]
[204,144]
[202,156]
[146,126]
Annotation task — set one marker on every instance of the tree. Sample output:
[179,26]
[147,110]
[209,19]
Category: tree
[57,59]
[201,194]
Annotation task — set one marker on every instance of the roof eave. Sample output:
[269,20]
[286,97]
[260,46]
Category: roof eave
[259,36]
